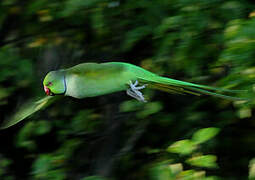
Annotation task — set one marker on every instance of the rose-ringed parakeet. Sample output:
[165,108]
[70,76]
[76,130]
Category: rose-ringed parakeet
[95,79]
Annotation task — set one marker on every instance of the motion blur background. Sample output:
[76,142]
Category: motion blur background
[114,136]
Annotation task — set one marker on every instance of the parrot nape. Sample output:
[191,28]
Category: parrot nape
[95,79]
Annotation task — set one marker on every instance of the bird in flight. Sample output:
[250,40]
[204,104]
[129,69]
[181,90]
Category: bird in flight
[95,79]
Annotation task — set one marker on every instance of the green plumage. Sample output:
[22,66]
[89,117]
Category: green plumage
[93,79]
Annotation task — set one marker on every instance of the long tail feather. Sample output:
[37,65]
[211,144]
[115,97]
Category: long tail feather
[165,80]
[181,87]
[171,89]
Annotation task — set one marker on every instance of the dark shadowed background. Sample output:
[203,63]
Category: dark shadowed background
[113,136]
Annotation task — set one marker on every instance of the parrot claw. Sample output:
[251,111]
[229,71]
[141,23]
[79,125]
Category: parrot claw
[134,92]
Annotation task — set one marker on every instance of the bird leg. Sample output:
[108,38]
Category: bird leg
[134,92]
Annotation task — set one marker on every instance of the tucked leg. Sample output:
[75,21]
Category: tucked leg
[134,92]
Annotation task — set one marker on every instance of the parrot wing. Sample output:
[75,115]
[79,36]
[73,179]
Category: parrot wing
[26,110]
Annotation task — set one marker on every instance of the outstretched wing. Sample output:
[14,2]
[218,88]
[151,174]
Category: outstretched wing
[28,109]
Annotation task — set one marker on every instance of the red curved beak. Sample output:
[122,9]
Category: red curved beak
[47,90]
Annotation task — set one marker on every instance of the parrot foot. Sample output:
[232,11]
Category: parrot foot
[134,92]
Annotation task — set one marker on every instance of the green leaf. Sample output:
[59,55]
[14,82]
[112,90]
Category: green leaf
[48,166]
[131,105]
[84,121]
[207,161]
[244,113]
[191,175]
[183,147]
[204,135]
[252,169]
[176,168]
[187,175]
[135,35]
[43,127]
[149,109]
[161,171]
[42,164]
[24,137]
[72,6]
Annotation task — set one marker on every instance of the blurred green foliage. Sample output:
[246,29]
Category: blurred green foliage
[113,137]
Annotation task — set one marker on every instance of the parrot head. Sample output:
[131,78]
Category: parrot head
[54,83]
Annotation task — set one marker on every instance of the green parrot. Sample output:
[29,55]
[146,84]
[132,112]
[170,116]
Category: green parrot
[95,79]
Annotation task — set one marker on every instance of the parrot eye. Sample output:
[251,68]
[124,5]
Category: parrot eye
[49,84]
